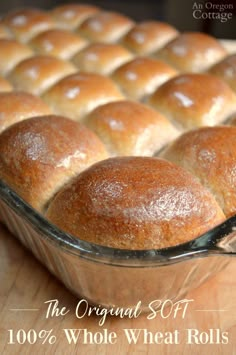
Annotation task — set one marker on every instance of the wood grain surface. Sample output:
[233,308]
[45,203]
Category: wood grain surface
[25,284]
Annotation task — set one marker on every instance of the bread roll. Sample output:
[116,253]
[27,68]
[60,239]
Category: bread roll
[101,58]
[40,154]
[38,73]
[78,94]
[194,100]
[17,106]
[69,16]
[105,26]
[130,128]
[5,86]
[141,76]
[210,154]
[226,70]
[12,52]
[24,24]
[135,203]
[192,52]
[148,36]
[58,43]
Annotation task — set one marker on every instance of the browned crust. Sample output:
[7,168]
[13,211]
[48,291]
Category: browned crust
[135,203]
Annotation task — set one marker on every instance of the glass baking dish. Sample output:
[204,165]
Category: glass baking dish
[112,277]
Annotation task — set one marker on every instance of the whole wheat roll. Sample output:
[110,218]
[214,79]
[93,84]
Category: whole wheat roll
[194,100]
[78,94]
[141,76]
[130,128]
[26,23]
[16,106]
[5,86]
[210,154]
[147,37]
[105,26]
[226,70]
[135,203]
[101,58]
[58,43]
[192,52]
[70,16]
[36,74]
[41,154]
[12,53]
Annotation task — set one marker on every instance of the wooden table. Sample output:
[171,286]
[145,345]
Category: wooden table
[25,284]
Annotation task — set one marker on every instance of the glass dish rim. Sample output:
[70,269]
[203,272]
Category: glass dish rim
[201,246]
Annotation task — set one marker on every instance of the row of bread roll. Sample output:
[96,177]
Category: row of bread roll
[137,195]
[136,77]
[187,100]
[193,52]
[106,26]
[125,127]
[131,203]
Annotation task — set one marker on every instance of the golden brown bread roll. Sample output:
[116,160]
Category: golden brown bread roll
[135,203]
[38,73]
[12,52]
[5,86]
[148,36]
[192,52]
[78,94]
[226,70]
[69,16]
[105,26]
[58,43]
[17,106]
[101,58]
[194,100]
[26,23]
[141,76]
[210,154]
[130,128]
[40,154]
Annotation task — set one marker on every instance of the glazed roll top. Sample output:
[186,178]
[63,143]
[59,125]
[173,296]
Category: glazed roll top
[210,154]
[105,26]
[16,106]
[149,36]
[130,128]
[38,73]
[26,23]
[12,52]
[5,86]
[226,70]
[58,43]
[192,52]
[69,16]
[101,58]
[135,203]
[141,76]
[41,154]
[194,100]
[78,94]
